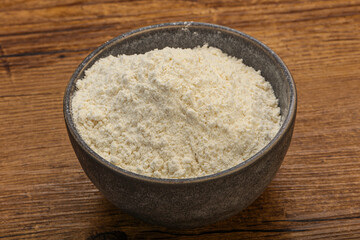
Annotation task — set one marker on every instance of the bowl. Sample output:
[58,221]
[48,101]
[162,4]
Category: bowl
[192,202]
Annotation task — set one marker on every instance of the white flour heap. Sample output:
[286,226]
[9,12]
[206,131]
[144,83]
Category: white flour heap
[175,113]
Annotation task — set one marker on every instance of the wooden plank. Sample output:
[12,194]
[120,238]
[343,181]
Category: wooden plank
[44,193]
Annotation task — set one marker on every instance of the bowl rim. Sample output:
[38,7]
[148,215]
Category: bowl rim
[286,124]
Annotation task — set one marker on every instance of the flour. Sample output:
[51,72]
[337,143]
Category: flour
[175,113]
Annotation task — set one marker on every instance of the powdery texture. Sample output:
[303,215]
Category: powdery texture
[175,113]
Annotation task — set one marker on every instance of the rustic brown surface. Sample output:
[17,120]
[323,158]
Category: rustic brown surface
[45,194]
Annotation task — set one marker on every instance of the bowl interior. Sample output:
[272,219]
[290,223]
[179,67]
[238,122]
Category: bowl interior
[183,35]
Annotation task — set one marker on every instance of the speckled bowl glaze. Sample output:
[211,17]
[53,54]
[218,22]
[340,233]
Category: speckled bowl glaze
[193,202]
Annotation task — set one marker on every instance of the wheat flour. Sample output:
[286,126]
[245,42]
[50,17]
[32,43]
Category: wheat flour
[175,113]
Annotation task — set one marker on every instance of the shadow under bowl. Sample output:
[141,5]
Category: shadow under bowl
[193,202]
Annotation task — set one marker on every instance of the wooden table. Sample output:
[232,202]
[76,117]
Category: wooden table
[44,193]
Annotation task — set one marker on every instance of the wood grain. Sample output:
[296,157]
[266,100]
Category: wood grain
[44,193]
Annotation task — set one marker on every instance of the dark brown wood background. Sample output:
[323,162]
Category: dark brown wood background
[44,193]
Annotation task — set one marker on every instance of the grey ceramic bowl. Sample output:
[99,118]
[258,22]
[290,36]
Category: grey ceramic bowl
[186,203]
